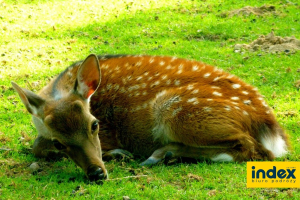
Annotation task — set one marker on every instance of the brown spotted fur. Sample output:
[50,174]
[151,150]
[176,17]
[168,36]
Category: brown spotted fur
[161,104]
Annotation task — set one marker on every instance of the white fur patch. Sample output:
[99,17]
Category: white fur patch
[217,93]
[235,98]
[207,75]
[193,100]
[222,157]
[236,86]
[190,87]
[195,68]
[160,94]
[162,132]
[275,144]
[207,109]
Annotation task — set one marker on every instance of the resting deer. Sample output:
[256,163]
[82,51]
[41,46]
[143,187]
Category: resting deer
[153,106]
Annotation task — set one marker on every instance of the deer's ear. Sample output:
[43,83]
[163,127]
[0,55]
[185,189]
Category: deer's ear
[88,77]
[32,101]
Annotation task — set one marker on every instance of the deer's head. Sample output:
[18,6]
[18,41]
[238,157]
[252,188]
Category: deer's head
[66,118]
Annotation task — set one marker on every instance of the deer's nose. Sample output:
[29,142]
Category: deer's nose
[96,174]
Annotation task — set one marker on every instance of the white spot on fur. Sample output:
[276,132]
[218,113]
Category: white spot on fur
[236,107]
[137,108]
[139,78]
[195,68]
[222,157]
[108,86]
[264,104]
[162,63]
[143,85]
[134,87]
[164,77]
[122,90]
[217,93]
[151,60]
[209,99]
[228,108]
[217,78]
[175,111]
[247,102]
[124,81]
[190,87]
[160,94]
[169,67]
[180,67]
[236,86]
[218,70]
[138,64]
[207,109]
[177,82]
[150,78]
[235,98]
[207,75]
[173,58]
[104,66]
[116,87]
[146,73]
[235,103]
[144,93]
[193,100]
[129,77]
[245,92]
[155,83]
[167,103]
[274,143]
[69,74]
[195,91]
[215,87]
[144,105]
[245,112]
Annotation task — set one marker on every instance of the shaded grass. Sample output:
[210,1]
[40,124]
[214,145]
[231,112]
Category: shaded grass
[39,39]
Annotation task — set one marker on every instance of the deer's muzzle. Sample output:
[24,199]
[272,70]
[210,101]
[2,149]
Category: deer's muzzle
[96,173]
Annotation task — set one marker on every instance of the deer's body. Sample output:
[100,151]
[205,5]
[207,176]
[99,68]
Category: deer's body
[176,107]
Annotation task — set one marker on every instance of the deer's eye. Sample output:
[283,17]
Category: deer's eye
[94,126]
[59,146]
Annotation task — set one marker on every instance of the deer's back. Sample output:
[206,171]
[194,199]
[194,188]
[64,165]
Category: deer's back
[140,94]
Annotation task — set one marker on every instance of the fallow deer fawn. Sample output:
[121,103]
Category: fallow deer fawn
[152,106]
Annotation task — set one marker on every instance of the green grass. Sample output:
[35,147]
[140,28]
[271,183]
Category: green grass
[39,38]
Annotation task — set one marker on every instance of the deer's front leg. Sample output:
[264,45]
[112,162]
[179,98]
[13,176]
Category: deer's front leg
[44,148]
[116,154]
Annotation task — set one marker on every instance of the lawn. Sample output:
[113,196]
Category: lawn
[40,38]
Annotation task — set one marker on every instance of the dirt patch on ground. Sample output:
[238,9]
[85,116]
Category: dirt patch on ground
[271,43]
[248,10]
